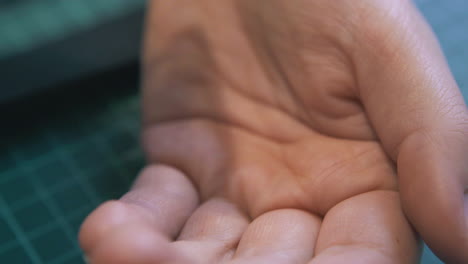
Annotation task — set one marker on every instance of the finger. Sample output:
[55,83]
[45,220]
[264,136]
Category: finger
[136,243]
[160,201]
[368,228]
[420,116]
[166,195]
[281,236]
[212,233]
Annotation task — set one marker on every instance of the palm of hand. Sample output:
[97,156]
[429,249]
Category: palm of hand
[271,123]
[291,127]
[277,161]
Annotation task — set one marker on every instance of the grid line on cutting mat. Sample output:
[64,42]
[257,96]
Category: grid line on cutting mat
[77,178]
[20,236]
[44,196]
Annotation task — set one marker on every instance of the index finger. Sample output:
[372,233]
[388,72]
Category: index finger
[420,116]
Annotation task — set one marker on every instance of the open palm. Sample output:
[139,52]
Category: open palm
[284,132]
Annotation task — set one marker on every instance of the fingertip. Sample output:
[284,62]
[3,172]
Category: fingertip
[101,221]
[162,197]
[132,243]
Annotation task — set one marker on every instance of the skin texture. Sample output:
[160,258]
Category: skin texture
[292,132]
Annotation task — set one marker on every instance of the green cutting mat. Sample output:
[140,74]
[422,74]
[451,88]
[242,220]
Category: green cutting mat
[64,153]
[67,152]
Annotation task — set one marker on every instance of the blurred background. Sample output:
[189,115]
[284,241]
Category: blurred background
[69,114]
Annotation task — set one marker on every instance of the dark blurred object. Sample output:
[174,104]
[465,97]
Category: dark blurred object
[97,40]
[8,2]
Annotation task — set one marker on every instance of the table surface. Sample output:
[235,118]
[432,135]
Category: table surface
[66,152]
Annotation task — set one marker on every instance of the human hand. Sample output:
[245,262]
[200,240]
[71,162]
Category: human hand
[292,132]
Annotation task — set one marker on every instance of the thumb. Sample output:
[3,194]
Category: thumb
[420,117]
